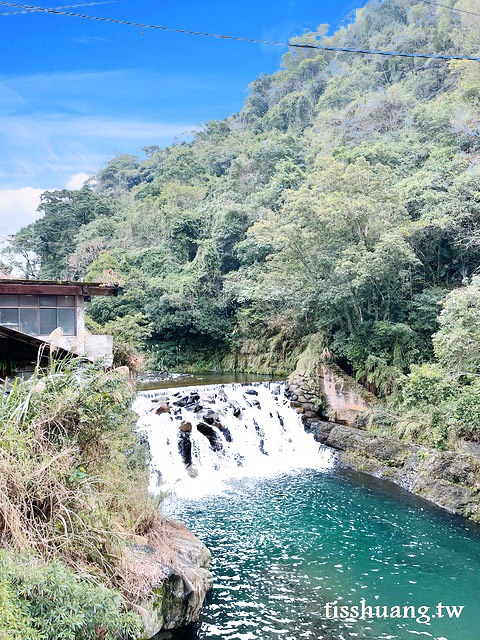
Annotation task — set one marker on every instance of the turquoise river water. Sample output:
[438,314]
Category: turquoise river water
[303,549]
[284,547]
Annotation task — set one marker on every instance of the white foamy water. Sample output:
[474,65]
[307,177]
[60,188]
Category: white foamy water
[236,431]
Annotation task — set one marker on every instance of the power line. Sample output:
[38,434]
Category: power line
[445,6]
[70,6]
[293,45]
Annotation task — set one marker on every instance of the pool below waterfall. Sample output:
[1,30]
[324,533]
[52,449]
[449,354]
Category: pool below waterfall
[284,547]
[321,553]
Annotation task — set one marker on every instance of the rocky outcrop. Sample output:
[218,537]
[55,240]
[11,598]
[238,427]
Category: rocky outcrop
[168,577]
[449,479]
[332,407]
[303,390]
[344,398]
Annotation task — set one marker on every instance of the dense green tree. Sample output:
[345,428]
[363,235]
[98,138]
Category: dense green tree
[52,237]
[342,200]
[457,342]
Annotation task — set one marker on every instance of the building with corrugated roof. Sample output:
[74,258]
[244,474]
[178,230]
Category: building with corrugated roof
[45,315]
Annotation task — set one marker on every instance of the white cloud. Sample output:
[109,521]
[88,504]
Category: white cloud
[50,149]
[88,40]
[76,127]
[57,124]
[18,207]
[10,99]
[76,181]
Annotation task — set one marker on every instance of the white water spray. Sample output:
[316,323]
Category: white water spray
[202,437]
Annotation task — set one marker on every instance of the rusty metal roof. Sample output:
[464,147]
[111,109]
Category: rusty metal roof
[15,285]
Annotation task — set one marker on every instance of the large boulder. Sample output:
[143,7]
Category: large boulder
[161,407]
[170,573]
[212,435]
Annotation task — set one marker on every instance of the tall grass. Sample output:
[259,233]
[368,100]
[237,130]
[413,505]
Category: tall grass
[73,471]
[73,481]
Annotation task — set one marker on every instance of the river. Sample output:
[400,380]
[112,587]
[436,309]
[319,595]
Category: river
[294,538]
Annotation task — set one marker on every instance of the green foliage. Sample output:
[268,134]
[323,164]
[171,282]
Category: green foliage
[103,269]
[457,342]
[466,412]
[342,199]
[380,377]
[52,236]
[426,386]
[73,490]
[443,405]
[130,333]
[51,603]
[74,472]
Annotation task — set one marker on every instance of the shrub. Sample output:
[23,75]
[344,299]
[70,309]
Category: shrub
[466,412]
[457,342]
[51,603]
[426,384]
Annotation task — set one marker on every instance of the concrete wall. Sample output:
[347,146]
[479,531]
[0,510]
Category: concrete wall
[94,347]
[80,308]
[100,347]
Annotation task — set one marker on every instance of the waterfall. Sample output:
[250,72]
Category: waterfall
[201,437]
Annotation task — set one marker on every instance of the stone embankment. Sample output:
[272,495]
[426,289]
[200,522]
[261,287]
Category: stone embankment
[332,406]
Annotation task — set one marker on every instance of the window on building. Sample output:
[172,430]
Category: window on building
[38,315]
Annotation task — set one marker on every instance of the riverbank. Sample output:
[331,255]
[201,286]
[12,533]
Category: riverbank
[333,407]
[84,550]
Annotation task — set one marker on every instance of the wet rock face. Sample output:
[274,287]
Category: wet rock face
[221,395]
[161,407]
[261,434]
[192,471]
[320,429]
[189,401]
[209,416]
[185,633]
[390,451]
[305,397]
[211,434]
[226,434]
[185,447]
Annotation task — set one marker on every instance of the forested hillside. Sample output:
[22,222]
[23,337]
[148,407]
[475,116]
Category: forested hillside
[343,200]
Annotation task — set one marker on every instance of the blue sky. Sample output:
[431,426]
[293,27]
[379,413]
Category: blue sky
[73,92]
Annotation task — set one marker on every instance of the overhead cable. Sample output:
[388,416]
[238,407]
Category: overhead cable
[446,6]
[292,45]
[70,6]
